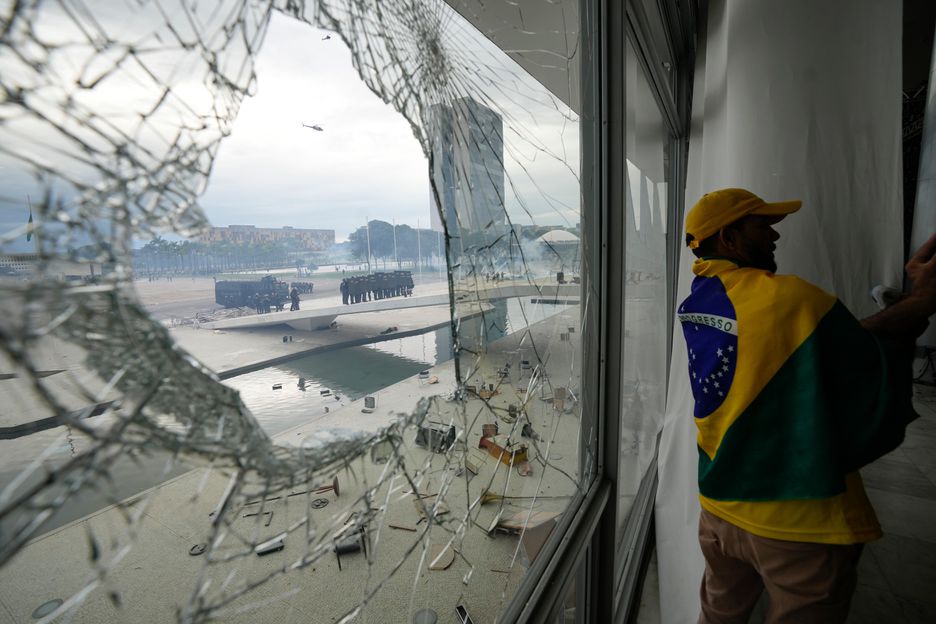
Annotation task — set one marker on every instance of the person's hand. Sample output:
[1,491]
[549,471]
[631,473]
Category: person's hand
[921,270]
[906,319]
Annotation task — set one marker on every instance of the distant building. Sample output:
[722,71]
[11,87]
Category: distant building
[310,240]
[27,265]
[467,140]
[559,247]
[559,238]
[17,263]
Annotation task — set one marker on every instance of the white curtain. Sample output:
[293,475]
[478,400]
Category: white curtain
[792,100]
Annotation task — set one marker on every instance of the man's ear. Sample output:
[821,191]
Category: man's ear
[726,238]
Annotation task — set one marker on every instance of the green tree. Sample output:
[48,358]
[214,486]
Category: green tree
[409,242]
[358,241]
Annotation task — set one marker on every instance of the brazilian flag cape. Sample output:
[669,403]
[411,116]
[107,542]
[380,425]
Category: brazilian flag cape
[792,397]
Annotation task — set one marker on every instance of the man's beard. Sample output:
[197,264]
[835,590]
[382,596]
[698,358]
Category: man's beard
[760,259]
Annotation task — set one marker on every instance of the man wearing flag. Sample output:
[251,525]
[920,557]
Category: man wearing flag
[792,396]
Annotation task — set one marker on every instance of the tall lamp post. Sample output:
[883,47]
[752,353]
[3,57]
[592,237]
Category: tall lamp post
[368,244]
[441,259]
[418,249]
[396,258]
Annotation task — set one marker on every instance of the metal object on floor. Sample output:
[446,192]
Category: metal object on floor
[268,514]
[425,616]
[47,607]
[462,613]
[436,437]
[381,452]
[271,546]
[318,503]
[197,549]
[356,542]
[332,487]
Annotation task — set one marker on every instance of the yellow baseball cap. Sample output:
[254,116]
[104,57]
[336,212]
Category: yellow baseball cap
[721,208]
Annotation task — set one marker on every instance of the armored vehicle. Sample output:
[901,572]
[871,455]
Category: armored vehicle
[244,293]
[304,288]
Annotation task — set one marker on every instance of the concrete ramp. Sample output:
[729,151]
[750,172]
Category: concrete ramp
[321,315]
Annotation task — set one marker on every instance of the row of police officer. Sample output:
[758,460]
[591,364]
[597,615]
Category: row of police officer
[376,286]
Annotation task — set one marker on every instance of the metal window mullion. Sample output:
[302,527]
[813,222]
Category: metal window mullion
[675,199]
[649,59]
[613,28]
[637,545]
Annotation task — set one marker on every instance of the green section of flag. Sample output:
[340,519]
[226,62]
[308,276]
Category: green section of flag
[841,400]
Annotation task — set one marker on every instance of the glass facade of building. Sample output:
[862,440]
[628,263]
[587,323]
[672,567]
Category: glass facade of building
[172,460]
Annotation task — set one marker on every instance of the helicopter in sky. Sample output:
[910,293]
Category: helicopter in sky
[314,127]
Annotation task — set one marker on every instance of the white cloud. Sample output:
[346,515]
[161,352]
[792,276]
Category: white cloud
[273,172]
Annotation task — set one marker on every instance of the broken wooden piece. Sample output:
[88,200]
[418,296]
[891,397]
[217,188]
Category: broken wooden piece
[402,527]
[559,396]
[524,520]
[474,459]
[505,455]
[441,556]
[422,508]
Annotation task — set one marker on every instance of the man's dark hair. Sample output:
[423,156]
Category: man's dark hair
[706,247]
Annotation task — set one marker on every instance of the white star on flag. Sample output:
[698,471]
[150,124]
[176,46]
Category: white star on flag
[712,364]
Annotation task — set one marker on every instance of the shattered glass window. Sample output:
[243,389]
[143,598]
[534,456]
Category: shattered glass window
[273,391]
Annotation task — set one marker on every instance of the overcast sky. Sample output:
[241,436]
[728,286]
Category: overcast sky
[366,162]
[273,172]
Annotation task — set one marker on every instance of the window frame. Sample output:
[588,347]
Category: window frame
[586,537]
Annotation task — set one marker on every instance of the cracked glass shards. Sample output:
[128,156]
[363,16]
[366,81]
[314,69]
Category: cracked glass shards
[321,406]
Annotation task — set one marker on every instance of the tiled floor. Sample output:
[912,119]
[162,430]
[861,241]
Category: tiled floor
[897,574]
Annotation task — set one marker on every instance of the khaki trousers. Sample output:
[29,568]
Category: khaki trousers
[805,582]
